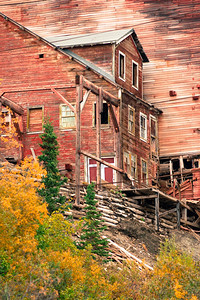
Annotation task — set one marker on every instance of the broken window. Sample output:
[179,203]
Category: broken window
[135,74]
[130,164]
[121,65]
[35,119]
[154,137]
[144,173]
[104,114]
[67,117]
[6,119]
[143,127]
[131,119]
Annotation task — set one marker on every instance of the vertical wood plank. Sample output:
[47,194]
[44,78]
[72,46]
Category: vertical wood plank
[157,212]
[178,215]
[79,92]
[99,100]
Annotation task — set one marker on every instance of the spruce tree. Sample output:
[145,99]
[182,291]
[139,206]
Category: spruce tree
[93,226]
[52,181]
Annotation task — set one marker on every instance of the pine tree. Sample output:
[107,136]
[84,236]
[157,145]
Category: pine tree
[93,226]
[52,181]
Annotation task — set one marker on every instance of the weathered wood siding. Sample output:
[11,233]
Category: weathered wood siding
[101,56]
[169,33]
[128,48]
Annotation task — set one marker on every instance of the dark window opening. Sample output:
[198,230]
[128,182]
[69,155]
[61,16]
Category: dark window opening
[41,55]
[176,165]
[187,163]
[135,75]
[121,66]
[104,114]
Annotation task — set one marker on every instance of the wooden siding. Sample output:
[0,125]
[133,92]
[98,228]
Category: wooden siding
[101,56]
[169,34]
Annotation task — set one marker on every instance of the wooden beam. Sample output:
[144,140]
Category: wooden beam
[12,105]
[113,117]
[98,137]
[63,99]
[79,97]
[102,162]
[157,212]
[167,212]
[95,89]
[144,197]
[85,97]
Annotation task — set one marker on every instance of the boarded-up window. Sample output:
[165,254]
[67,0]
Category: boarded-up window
[104,114]
[135,74]
[121,65]
[67,117]
[131,119]
[130,164]
[143,127]
[154,138]
[35,119]
[144,171]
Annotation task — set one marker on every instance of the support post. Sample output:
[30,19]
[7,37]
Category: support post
[178,215]
[157,212]
[98,132]
[171,172]
[79,92]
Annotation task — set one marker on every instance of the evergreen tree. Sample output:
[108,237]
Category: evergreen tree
[52,181]
[93,226]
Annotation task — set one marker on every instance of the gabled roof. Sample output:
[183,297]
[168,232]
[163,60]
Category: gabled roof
[109,37]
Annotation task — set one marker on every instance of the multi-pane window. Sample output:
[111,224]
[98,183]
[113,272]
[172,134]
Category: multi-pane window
[135,74]
[121,65]
[130,164]
[131,119]
[144,173]
[154,136]
[104,114]
[67,117]
[35,119]
[143,127]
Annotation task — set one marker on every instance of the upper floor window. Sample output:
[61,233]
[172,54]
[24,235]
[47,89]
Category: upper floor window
[144,173]
[35,119]
[154,136]
[143,127]
[131,119]
[135,74]
[67,117]
[104,114]
[130,164]
[121,65]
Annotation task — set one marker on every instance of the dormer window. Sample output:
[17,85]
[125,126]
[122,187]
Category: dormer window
[121,66]
[135,74]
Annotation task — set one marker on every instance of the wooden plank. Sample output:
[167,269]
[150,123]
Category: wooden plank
[157,212]
[12,105]
[85,97]
[98,137]
[79,96]
[63,99]
[102,162]
[95,89]
[113,117]
[167,212]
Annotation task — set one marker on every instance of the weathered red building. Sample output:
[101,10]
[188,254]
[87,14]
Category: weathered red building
[39,78]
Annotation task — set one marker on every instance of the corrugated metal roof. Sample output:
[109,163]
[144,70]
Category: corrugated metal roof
[108,37]
[90,65]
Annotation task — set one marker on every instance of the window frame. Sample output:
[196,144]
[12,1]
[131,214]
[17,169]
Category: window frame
[142,179]
[144,139]
[61,117]
[94,115]
[119,67]
[154,154]
[130,108]
[128,155]
[137,75]
[28,117]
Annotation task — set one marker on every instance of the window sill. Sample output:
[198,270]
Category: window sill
[136,88]
[67,129]
[144,140]
[35,132]
[123,79]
